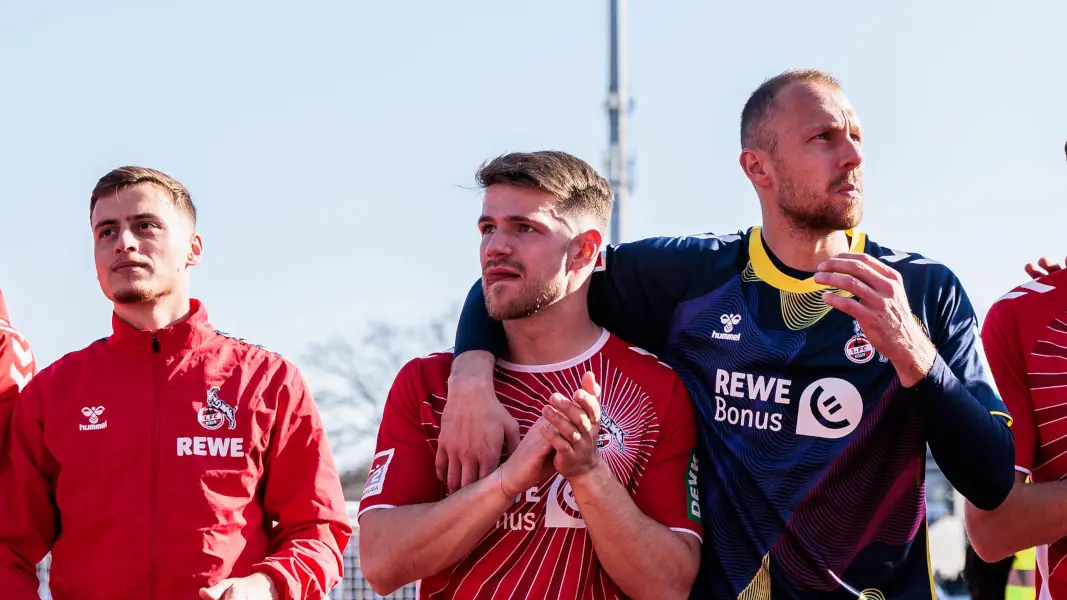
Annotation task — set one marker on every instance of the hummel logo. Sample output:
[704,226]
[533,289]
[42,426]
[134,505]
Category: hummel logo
[93,414]
[728,322]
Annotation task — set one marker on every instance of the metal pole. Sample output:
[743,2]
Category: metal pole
[618,107]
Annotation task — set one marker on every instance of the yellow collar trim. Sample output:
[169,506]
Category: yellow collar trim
[767,272]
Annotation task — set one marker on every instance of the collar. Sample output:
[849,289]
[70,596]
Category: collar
[767,271]
[187,334]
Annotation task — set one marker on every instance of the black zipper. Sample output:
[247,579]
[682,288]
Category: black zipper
[154,475]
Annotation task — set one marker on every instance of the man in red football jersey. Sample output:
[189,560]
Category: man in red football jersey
[598,500]
[17,366]
[1025,340]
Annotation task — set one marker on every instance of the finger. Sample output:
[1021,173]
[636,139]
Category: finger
[455,473]
[862,271]
[589,405]
[470,471]
[1047,264]
[850,307]
[557,442]
[441,463]
[511,435]
[878,266]
[562,424]
[589,384]
[1033,271]
[851,284]
[574,413]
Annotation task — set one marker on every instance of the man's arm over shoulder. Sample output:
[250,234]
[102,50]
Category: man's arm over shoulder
[303,494]
[637,285]
[966,424]
[27,498]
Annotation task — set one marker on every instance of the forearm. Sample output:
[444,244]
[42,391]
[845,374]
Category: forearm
[621,533]
[1033,514]
[476,329]
[407,543]
[974,448]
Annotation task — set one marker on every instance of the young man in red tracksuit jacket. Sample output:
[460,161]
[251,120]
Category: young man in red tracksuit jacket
[17,367]
[167,460]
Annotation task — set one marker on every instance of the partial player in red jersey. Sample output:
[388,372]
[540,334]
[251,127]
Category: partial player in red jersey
[17,366]
[1025,340]
[598,499]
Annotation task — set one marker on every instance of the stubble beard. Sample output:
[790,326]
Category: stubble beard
[137,294]
[531,300]
[812,212]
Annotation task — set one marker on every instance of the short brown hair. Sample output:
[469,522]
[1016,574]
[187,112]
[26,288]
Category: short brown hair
[761,103]
[578,188]
[124,177]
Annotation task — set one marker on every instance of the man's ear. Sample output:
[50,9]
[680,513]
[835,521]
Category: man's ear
[196,248]
[585,249]
[754,164]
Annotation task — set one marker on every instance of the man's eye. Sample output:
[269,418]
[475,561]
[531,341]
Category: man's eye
[526,228]
[103,233]
[487,229]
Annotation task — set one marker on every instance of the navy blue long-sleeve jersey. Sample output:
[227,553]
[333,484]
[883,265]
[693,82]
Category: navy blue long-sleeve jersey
[812,454]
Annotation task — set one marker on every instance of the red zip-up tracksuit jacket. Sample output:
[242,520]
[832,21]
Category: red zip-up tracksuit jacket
[151,464]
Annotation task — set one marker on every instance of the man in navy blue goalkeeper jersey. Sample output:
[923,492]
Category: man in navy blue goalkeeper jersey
[821,365]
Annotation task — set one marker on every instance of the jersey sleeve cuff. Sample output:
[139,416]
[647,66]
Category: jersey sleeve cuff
[362,511]
[1024,471]
[699,537]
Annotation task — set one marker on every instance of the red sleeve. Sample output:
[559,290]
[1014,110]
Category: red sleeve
[17,367]
[1007,363]
[402,471]
[668,489]
[27,500]
[303,495]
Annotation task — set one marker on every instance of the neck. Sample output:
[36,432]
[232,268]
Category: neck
[154,314]
[554,334]
[801,249]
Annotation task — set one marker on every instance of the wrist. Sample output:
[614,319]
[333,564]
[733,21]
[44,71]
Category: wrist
[505,489]
[472,370]
[916,365]
[592,480]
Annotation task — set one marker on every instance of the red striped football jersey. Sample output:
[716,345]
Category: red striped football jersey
[1025,340]
[540,548]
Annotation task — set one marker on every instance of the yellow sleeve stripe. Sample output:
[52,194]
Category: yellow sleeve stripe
[1006,416]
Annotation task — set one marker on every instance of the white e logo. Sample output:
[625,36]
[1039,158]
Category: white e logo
[829,408]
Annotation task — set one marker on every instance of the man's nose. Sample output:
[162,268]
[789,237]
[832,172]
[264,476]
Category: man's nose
[125,241]
[497,245]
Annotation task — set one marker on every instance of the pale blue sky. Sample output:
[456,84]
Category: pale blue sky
[349,130]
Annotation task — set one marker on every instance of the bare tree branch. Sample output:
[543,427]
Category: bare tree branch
[363,372]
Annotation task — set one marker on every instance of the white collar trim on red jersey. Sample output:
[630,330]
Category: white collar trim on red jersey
[577,360]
